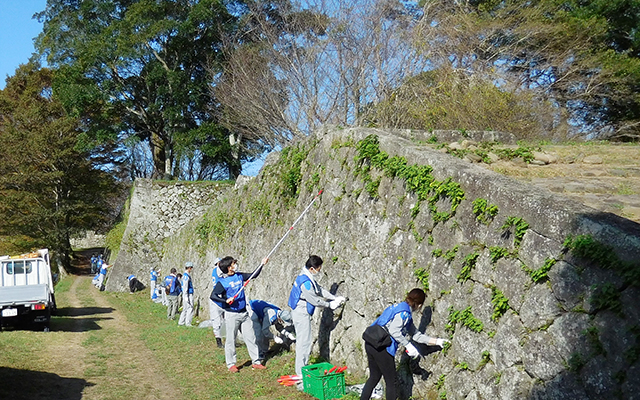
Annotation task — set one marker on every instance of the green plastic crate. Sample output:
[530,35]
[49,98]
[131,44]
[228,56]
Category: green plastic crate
[324,387]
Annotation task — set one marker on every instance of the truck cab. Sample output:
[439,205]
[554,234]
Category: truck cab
[26,290]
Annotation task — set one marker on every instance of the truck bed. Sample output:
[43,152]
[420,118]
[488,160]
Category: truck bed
[14,295]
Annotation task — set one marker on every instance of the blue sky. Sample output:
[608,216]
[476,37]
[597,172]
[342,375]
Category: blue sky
[17,30]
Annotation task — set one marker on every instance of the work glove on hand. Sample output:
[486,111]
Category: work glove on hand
[291,337]
[412,351]
[333,304]
[441,342]
[278,339]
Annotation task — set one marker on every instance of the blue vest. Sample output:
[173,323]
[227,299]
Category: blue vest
[388,314]
[103,269]
[214,276]
[154,276]
[296,291]
[170,282]
[258,307]
[232,285]
[190,284]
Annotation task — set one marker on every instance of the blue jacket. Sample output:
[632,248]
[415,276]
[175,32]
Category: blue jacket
[258,307]
[232,285]
[388,315]
[190,284]
[154,275]
[296,291]
[170,283]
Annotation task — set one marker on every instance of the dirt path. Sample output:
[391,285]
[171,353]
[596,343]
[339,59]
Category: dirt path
[92,353]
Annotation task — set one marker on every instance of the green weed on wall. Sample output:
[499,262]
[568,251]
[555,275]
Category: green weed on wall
[418,178]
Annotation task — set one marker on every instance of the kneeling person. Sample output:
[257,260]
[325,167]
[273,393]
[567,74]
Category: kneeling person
[264,315]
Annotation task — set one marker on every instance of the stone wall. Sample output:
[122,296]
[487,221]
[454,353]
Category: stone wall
[158,210]
[528,317]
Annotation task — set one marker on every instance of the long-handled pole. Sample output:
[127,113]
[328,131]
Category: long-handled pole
[274,248]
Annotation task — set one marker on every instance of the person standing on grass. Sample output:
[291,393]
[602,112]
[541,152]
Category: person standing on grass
[305,296]
[264,315]
[172,289]
[187,296]
[153,280]
[398,322]
[216,312]
[236,315]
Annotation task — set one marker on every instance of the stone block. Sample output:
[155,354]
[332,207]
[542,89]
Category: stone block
[541,357]
[540,307]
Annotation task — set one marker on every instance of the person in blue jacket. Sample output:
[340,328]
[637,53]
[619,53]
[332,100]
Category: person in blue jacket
[305,296]
[172,289]
[236,314]
[264,315]
[187,296]
[153,280]
[397,320]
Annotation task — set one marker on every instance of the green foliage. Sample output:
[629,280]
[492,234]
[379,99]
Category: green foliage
[437,253]
[51,191]
[464,317]
[440,382]
[451,254]
[540,274]
[155,87]
[606,297]
[422,274]
[462,366]
[586,247]
[500,303]
[418,178]
[497,252]
[486,358]
[526,153]
[520,226]
[593,337]
[576,362]
[468,265]
[484,211]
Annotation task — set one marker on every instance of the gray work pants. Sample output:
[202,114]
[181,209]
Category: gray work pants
[172,306]
[263,334]
[302,324]
[216,315]
[152,289]
[235,321]
[187,310]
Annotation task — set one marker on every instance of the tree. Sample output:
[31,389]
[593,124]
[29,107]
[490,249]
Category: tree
[293,68]
[49,191]
[136,72]
[580,56]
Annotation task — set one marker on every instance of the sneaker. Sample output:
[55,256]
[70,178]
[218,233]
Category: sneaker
[233,369]
[258,366]
[219,343]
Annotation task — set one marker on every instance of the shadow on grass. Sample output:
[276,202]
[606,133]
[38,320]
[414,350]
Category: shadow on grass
[80,311]
[19,384]
[64,324]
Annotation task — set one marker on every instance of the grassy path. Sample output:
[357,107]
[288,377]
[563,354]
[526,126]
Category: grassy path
[121,346]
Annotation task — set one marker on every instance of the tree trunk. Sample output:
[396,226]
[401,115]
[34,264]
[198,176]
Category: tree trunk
[235,166]
[158,150]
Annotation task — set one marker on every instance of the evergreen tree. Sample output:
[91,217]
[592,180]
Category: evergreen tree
[49,191]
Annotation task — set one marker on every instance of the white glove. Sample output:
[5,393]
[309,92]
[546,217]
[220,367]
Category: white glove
[335,303]
[278,339]
[412,351]
[441,342]
[291,336]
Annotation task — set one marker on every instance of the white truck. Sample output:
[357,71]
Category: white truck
[26,290]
